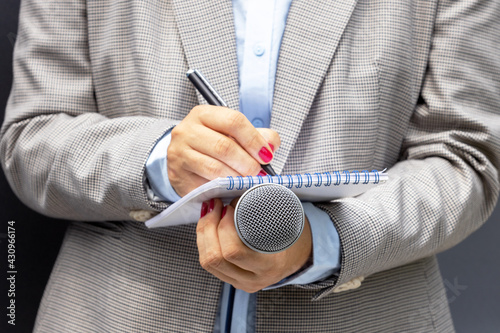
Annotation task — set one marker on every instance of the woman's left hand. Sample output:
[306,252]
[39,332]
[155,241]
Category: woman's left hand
[223,254]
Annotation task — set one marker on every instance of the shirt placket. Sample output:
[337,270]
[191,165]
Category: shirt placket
[254,77]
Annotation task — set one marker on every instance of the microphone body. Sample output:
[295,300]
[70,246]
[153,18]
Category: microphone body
[269,218]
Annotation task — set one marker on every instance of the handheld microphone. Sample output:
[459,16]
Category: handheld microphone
[269,218]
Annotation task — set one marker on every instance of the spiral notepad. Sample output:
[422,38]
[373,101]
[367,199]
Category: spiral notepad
[312,187]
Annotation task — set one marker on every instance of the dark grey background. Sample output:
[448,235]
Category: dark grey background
[471,270]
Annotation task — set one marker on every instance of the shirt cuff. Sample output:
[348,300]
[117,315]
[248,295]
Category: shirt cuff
[326,250]
[156,171]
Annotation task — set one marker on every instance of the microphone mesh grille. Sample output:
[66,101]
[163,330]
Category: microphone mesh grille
[269,218]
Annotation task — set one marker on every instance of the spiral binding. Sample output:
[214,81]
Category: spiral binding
[320,179]
[231,183]
[250,182]
[347,178]
[338,178]
[240,183]
[377,176]
[328,178]
[309,180]
[300,180]
[290,181]
[323,179]
[367,176]
[356,177]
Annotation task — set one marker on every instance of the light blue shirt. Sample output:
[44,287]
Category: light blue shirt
[259,26]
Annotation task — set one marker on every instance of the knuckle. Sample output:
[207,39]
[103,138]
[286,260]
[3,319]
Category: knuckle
[212,169]
[172,174]
[275,137]
[232,254]
[223,146]
[183,163]
[252,169]
[179,132]
[172,153]
[176,130]
[253,141]
[236,120]
[211,261]
[269,272]
[200,228]
[197,110]
[170,150]
[204,112]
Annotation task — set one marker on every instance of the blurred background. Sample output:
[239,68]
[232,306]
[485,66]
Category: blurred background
[471,270]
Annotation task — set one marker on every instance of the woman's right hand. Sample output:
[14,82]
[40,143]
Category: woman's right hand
[215,141]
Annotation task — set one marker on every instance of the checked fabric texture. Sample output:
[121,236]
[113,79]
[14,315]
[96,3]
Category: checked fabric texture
[413,86]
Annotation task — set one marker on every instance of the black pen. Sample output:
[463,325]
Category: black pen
[213,98]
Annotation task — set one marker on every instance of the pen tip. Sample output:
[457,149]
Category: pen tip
[189,72]
[269,169]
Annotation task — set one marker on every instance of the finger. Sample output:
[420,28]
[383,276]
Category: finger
[258,263]
[233,249]
[234,202]
[272,137]
[211,258]
[226,150]
[236,125]
[185,183]
[206,239]
[205,166]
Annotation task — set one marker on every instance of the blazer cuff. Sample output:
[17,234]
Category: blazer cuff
[325,261]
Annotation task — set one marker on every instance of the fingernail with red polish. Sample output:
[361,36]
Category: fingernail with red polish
[272,147]
[204,208]
[265,155]
[211,205]
[262,173]
[223,212]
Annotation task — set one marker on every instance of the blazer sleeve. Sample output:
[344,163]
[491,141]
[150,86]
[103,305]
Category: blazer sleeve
[446,183]
[60,155]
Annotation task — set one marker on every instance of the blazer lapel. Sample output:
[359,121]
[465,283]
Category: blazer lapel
[312,33]
[206,29]
[313,30]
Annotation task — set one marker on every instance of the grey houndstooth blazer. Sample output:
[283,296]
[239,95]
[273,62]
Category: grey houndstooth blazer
[366,84]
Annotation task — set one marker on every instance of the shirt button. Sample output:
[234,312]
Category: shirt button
[257,122]
[258,50]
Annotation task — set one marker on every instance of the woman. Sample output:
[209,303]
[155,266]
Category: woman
[355,85]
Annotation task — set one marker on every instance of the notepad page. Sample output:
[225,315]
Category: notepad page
[315,187]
